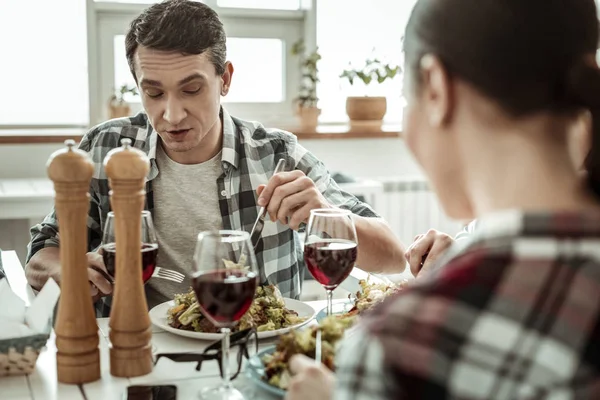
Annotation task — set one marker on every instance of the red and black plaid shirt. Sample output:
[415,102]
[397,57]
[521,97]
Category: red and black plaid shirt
[511,314]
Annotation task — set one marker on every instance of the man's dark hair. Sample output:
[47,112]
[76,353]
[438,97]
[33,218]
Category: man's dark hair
[187,26]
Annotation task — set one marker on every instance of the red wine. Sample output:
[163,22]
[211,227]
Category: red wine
[149,253]
[330,261]
[224,296]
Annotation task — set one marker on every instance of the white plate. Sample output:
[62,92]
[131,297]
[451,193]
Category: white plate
[158,316]
[336,308]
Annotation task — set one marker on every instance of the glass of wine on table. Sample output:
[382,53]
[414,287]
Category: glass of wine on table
[330,248]
[149,245]
[224,279]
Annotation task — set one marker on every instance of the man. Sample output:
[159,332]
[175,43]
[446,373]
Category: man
[207,167]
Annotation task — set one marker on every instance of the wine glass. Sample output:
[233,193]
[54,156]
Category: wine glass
[149,245]
[225,276]
[330,248]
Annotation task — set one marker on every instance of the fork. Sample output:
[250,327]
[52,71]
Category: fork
[256,232]
[168,274]
[318,347]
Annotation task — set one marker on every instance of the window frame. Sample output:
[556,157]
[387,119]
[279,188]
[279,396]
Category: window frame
[107,19]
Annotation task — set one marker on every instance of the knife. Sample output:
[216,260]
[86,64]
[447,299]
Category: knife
[260,221]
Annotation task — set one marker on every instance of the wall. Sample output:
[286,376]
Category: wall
[365,158]
[357,157]
[21,161]
[25,161]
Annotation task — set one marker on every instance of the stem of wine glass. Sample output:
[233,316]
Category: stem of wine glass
[225,351]
[329,301]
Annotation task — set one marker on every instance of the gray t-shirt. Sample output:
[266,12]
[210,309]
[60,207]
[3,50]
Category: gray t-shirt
[186,203]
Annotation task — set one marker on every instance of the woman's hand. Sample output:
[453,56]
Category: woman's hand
[426,249]
[310,380]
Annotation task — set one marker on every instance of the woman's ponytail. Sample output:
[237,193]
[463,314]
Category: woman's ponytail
[583,86]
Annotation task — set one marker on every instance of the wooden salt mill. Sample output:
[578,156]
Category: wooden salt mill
[130,333]
[77,356]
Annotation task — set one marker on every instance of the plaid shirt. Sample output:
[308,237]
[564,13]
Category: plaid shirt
[513,315]
[250,154]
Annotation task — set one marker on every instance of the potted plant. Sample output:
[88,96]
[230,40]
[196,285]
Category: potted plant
[306,103]
[117,105]
[368,108]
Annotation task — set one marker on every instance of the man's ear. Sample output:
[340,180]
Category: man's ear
[226,78]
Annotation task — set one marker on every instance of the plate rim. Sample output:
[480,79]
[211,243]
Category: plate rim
[256,377]
[322,313]
[159,320]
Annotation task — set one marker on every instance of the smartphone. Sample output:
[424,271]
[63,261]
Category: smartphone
[151,392]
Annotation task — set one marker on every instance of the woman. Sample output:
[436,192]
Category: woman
[423,254]
[493,87]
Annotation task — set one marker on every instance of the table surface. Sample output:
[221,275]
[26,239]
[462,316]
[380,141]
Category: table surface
[42,383]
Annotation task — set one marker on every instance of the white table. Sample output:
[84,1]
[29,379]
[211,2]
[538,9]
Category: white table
[183,375]
[42,383]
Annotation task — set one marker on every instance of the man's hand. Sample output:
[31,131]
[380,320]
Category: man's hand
[426,249]
[289,197]
[99,286]
[46,264]
[310,380]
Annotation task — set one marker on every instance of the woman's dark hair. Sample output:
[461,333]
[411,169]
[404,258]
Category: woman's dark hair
[187,26]
[526,55]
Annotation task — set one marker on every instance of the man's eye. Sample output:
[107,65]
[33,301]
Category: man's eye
[153,95]
[191,91]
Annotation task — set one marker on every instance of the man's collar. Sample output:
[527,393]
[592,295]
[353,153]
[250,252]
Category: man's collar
[152,142]
[231,140]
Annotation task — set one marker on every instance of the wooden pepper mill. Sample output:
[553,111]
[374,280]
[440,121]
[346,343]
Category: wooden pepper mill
[130,333]
[77,356]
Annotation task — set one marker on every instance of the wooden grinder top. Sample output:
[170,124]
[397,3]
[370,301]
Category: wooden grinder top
[77,357]
[130,331]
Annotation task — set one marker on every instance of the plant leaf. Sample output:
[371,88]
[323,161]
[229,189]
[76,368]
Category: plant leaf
[364,77]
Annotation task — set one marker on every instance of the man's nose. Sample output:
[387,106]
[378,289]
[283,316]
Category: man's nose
[174,112]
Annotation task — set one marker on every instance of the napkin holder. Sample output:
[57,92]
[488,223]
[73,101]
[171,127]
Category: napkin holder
[18,355]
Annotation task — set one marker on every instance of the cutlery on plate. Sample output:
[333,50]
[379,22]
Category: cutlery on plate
[159,272]
[260,221]
[168,274]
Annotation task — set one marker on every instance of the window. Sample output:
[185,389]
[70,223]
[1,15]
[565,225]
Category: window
[122,73]
[252,82]
[258,70]
[44,68]
[382,26]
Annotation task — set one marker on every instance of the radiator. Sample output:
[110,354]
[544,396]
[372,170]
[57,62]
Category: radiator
[407,204]
[411,208]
